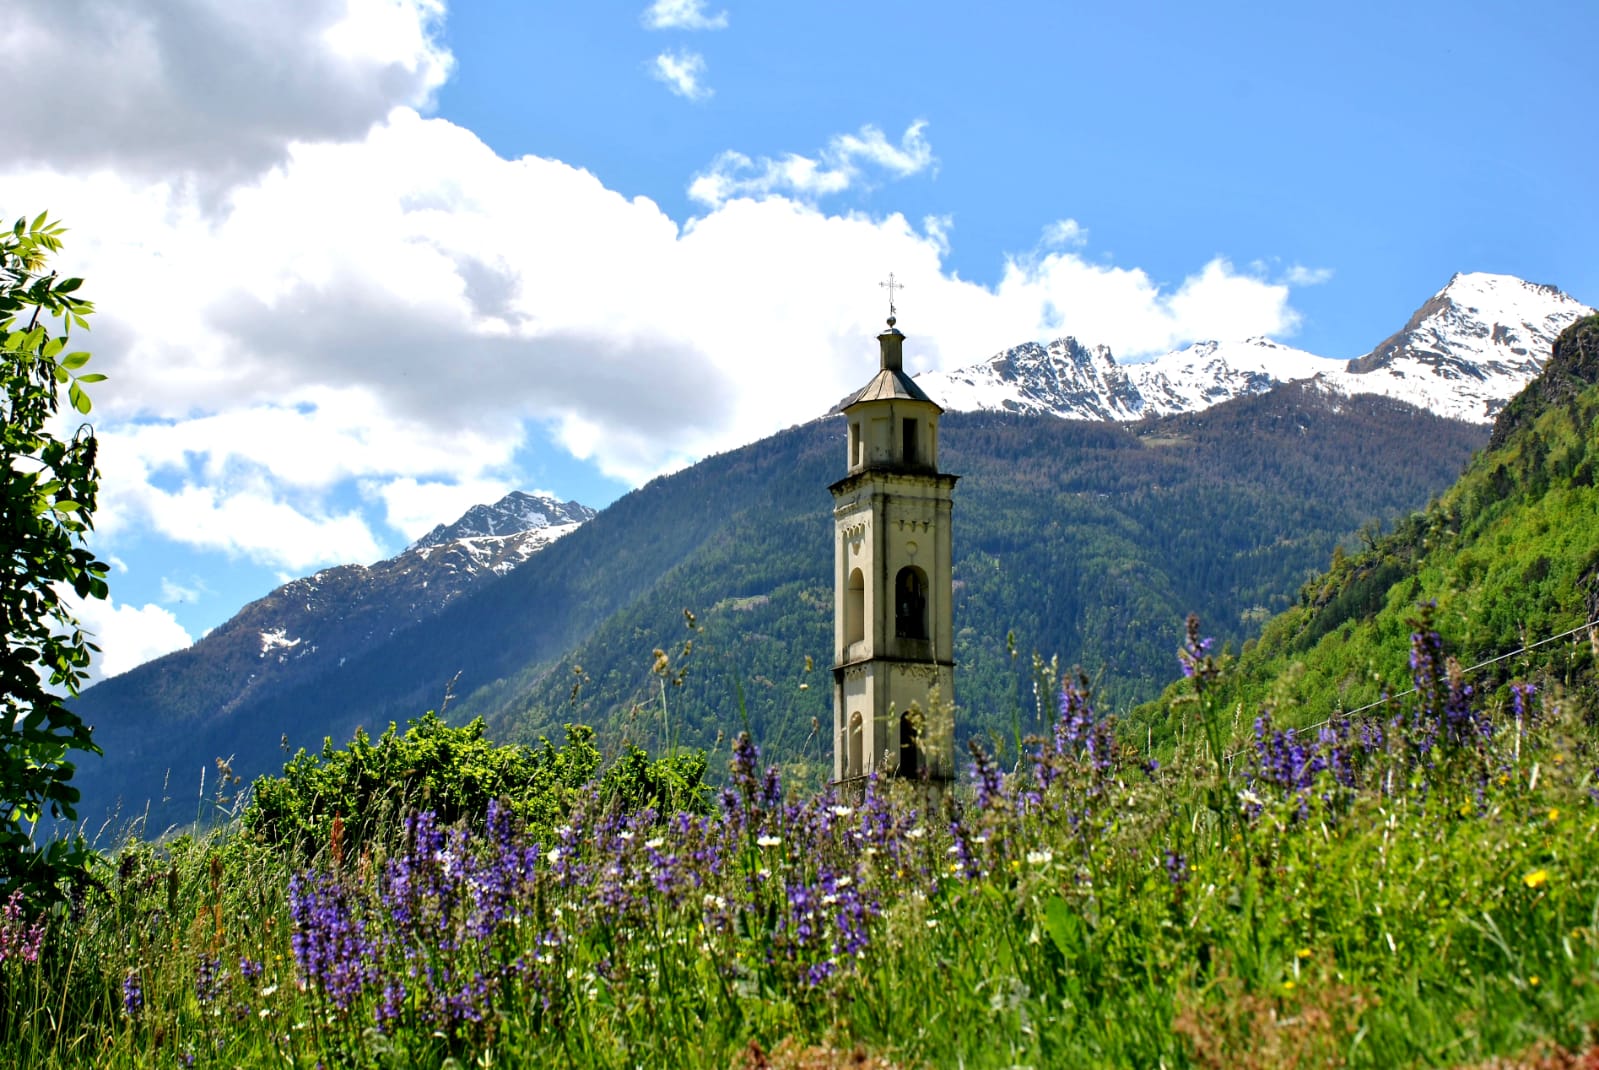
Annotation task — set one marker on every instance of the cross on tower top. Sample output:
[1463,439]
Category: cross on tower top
[891,286]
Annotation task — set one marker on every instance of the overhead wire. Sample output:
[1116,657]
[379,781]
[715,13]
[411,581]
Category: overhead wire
[1480,665]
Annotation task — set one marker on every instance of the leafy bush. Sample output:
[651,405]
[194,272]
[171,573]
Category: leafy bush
[451,770]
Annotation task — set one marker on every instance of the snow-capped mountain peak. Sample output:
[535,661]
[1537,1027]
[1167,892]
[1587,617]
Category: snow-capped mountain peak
[1464,353]
[1469,348]
[513,514]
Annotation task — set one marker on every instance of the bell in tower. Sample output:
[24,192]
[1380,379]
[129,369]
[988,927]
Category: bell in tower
[894,663]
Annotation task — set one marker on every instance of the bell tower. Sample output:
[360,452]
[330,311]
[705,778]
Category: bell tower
[894,640]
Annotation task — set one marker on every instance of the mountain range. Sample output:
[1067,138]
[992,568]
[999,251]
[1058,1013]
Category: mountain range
[1464,353]
[1243,466]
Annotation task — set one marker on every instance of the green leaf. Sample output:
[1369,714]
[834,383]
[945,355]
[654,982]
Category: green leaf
[38,220]
[91,377]
[74,361]
[79,399]
[1062,926]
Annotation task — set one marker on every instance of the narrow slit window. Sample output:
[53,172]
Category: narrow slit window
[908,444]
[910,747]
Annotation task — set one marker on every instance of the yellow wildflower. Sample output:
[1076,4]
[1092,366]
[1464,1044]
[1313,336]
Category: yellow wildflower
[1536,879]
[1304,952]
[1554,814]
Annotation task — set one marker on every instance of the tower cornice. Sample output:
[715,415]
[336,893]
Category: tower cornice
[896,475]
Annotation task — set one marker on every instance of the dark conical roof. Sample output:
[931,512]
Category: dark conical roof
[891,383]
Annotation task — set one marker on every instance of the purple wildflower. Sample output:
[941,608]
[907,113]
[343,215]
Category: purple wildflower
[1176,867]
[132,995]
[330,943]
[208,978]
[19,939]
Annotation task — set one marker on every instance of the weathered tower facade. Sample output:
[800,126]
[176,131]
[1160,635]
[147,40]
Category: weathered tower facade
[893,633]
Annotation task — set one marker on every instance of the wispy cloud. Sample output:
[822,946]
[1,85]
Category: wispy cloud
[682,72]
[842,164]
[1299,275]
[683,15]
[1065,234]
[171,591]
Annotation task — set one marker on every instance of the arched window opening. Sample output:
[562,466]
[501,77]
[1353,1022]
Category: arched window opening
[910,746]
[856,744]
[910,603]
[855,609]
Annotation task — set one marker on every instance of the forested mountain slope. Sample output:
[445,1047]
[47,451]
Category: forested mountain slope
[1086,541]
[1509,557]
[1089,541]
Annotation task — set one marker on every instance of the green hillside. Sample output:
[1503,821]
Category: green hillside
[1509,558]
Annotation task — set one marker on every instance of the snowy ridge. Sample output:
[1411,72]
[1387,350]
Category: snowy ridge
[1469,349]
[1464,353]
[502,553]
[516,513]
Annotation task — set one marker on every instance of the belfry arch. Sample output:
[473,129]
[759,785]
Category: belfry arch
[910,603]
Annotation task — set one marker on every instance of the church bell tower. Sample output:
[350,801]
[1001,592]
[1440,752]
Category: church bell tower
[893,637]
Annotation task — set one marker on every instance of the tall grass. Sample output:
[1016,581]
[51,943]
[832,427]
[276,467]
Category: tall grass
[1417,888]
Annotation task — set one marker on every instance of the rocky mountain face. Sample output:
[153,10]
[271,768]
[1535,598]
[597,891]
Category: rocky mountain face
[343,611]
[1464,353]
[1469,348]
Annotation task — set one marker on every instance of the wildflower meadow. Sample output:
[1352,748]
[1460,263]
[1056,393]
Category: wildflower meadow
[1418,886]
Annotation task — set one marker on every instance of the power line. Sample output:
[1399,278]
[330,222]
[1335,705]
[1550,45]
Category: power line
[1480,665]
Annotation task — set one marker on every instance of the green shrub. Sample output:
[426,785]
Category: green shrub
[451,770]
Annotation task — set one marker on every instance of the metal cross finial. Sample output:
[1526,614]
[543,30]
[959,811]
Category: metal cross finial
[891,286]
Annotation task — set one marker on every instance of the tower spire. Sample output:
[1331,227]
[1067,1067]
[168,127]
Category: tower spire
[891,286]
[891,342]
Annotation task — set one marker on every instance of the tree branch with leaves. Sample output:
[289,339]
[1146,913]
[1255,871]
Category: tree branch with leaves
[46,512]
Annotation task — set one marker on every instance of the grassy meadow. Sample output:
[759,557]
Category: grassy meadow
[1419,887]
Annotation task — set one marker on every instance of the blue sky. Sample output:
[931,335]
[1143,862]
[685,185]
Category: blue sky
[361,263]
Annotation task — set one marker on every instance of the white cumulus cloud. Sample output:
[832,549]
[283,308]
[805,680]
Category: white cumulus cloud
[128,636]
[209,90]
